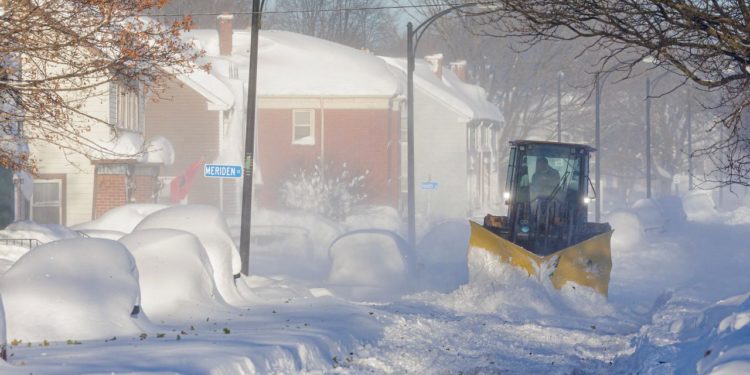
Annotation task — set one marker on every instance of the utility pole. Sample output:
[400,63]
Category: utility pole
[689,124]
[648,137]
[648,129]
[560,76]
[247,181]
[597,140]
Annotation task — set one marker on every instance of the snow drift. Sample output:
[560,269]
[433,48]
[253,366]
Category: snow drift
[176,278]
[209,226]
[72,289]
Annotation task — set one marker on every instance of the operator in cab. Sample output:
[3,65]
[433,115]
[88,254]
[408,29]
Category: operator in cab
[544,180]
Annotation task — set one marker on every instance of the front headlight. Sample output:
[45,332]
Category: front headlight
[586,200]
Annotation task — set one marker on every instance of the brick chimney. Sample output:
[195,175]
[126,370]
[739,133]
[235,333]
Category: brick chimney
[436,61]
[224,22]
[459,69]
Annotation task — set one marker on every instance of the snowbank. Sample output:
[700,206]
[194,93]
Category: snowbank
[441,256]
[650,214]
[209,226]
[728,342]
[628,231]
[499,288]
[687,337]
[322,231]
[72,289]
[699,206]
[175,273]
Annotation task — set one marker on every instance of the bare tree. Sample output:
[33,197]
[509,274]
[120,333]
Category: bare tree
[702,41]
[341,21]
[204,12]
[57,54]
[522,82]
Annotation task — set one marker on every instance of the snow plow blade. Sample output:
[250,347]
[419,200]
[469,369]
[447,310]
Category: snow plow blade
[588,263]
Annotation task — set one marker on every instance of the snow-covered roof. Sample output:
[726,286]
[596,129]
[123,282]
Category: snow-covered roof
[467,99]
[210,87]
[291,64]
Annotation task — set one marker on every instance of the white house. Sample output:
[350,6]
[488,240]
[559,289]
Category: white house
[457,153]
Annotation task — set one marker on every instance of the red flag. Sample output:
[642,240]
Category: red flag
[180,186]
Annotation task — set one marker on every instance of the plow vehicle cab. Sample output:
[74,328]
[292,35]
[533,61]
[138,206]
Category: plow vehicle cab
[547,198]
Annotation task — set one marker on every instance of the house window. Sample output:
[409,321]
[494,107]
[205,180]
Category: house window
[127,105]
[303,127]
[46,203]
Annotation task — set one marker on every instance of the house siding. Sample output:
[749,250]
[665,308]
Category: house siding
[77,168]
[365,139]
[182,116]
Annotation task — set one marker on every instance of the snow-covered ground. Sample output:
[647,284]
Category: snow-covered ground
[150,289]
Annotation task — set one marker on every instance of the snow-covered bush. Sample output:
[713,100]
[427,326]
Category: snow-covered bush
[71,289]
[175,273]
[325,190]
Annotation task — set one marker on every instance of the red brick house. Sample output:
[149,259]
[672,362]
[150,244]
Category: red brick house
[318,102]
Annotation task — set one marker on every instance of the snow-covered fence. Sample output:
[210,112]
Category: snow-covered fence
[29,243]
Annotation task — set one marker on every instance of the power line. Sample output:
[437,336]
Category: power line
[382,7]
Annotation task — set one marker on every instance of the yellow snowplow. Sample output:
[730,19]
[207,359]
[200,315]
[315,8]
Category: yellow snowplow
[546,229]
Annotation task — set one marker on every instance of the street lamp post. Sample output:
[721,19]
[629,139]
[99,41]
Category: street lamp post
[413,35]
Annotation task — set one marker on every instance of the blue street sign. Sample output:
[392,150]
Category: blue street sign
[222,171]
[429,185]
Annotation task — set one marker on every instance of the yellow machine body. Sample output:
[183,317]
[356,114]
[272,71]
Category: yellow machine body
[587,263]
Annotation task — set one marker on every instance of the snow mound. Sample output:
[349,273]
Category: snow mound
[445,242]
[699,206]
[208,225]
[369,265]
[627,230]
[175,272]
[71,289]
[500,288]
[121,219]
[686,337]
[159,150]
[441,256]
[650,214]
[727,342]
[322,231]
[16,237]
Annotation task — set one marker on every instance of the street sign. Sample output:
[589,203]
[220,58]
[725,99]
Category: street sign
[429,185]
[222,171]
